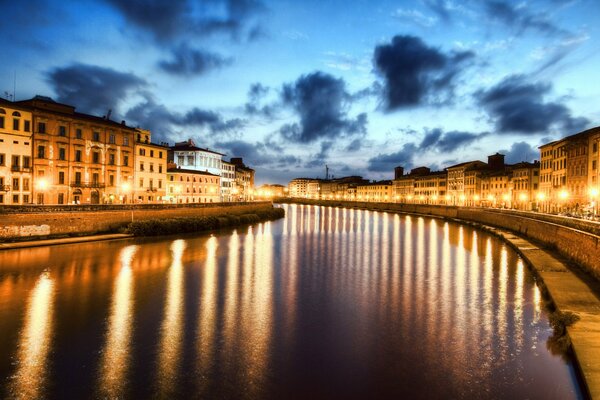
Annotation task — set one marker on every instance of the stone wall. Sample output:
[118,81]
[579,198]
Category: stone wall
[578,240]
[75,222]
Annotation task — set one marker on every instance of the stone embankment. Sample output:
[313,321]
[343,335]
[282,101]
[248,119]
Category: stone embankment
[41,222]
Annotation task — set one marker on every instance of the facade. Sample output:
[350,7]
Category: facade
[78,158]
[430,188]
[244,180]
[16,184]
[191,186]
[382,191]
[189,156]
[524,185]
[228,186]
[150,177]
[456,181]
[299,187]
[269,191]
[495,190]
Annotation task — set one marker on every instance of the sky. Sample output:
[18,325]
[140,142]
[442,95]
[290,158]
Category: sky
[291,86]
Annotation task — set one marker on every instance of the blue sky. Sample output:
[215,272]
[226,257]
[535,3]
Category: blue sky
[361,86]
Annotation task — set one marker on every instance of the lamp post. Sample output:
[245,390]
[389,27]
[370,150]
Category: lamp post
[125,188]
[41,185]
[594,192]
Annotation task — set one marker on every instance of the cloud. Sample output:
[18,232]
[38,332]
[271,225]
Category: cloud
[320,100]
[521,19]
[93,89]
[164,123]
[256,94]
[188,62]
[258,154]
[415,16]
[448,142]
[441,8]
[414,73]
[387,162]
[166,20]
[518,106]
[520,151]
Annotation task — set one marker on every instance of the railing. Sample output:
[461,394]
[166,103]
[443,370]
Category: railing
[92,185]
[5,188]
[17,168]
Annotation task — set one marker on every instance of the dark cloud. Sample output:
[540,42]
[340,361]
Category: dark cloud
[164,123]
[320,100]
[166,20]
[517,105]
[93,89]
[253,106]
[319,159]
[520,151]
[387,162]
[521,19]
[449,141]
[354,145]
[414,73]
[258,154]
[188,62]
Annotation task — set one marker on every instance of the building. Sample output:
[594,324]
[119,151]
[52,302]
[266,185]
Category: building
[430,188]
[189,156]
[78,158]
[524,185]
[244,180]
[298,187]
[457,183]
[382,191]
[191,186]
[228,186]
[270,191]
[495,190]
[149,183]
[15,154]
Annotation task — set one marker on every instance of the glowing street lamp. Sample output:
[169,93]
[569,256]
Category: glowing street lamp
[125,188]
[594,195]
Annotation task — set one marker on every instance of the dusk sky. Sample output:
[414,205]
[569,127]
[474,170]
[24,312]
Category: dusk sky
[362,86]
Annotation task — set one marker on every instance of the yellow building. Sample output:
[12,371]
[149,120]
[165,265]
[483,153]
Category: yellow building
[15,154]
[150,178]
[524,185]
[78,158]
[382,191]
[191,186]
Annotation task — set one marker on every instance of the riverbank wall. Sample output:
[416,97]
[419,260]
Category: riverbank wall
[41,222]
[577,240]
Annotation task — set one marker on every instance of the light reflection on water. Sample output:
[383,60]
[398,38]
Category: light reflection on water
[327,303]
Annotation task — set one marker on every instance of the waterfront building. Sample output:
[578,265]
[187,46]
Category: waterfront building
[78,158]
[244,180]
[298,187]
[382,191]
[456,181]
[313,189]
[189,156]
[192,186]
[268,191]
[339,188]
[524,185]
[149,183]
[495,190]
[228,186]
[554,175]
[430,188]
[15,154]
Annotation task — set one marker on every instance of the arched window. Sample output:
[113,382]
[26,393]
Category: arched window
[2,111]
[16,114]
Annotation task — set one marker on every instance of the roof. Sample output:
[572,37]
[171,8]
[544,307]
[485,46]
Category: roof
[465,164]
[188,171]
[162,146]
[188,147]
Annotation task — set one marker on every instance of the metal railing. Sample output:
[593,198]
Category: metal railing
[92,185]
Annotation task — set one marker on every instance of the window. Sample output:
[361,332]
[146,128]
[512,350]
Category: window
[41,152]
[15,199]
[111,138]
[95,157]
[40,198]
[16,124]
[61,177]
[111,159]
[78,155]
[151,153]
[141,182]
[16,186]
[594,166]
[62,153]
[160,183]
[26,162]
[25,199]
[180,160]
[151,183]
[78,177]
[126,160]
[15,163]
[41,127]
[160,169]
[2,157]
[62,131]
[142,152]
[151,167]
[1,119]
[78,133]
[595,148]
[25,184]
[125,141]
[61,198]
[160,154]
[95,178]
[96,136]
[27,126]
[111,180]
[141,166]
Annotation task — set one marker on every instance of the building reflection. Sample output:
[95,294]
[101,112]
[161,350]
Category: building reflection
[116,356]
[171,332]
[35,341]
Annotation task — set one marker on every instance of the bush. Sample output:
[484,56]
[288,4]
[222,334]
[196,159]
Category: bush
[169,226]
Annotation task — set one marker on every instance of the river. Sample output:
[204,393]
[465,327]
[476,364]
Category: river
[325,303]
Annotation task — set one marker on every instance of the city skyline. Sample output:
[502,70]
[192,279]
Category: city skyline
[360,86]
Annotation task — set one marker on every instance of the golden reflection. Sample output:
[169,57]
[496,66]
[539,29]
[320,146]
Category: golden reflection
[231,310]
[488,289]
[433,280]
[208,309]
[502,293]
[420,266]
[115,358]
[171,333]
[35,341]
[396,250]
[519,304]
[407,266]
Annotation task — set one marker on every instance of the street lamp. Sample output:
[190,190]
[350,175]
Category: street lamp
[42,185]
[125,187]
[594,195]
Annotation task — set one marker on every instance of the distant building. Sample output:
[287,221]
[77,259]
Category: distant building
[381,191]
[191,186]
[457,182]
[244,180]
[299,187]
[15,154]
[271,191]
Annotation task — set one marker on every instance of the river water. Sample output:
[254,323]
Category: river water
[325,303]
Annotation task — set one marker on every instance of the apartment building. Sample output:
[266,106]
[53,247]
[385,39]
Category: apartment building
[382,191]
[149,183]
[191,186]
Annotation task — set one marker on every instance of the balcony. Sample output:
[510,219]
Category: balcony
[18,168]
[151,189]
[5,188]
[90,185]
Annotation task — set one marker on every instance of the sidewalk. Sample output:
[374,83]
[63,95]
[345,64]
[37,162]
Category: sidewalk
[69,240]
